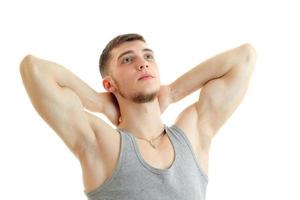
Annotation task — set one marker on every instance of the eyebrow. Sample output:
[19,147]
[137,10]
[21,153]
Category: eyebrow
[130,51]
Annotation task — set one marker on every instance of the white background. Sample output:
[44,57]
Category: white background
[255,155]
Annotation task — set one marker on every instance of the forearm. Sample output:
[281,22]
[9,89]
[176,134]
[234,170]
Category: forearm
[90,99]
[211,68]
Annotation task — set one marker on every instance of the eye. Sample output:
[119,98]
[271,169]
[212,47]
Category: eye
[148,56]
[126,60]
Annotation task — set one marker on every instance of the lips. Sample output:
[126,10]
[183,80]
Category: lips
[145,76]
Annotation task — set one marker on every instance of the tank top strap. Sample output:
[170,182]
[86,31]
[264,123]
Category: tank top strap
[184,146]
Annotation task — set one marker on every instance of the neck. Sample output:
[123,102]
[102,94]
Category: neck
[142,120]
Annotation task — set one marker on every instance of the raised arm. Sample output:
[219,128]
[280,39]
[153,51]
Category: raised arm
[60,98]
[223,80]
[212,68]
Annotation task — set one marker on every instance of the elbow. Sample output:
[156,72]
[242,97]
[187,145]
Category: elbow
[249,48]
[27,65]
[249,52]
[27,62]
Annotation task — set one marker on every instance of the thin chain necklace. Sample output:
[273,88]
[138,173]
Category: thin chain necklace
[152,140]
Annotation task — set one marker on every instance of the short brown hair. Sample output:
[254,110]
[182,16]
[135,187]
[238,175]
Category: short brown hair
[115,42]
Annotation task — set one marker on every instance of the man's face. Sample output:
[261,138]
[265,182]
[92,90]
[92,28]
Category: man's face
[129,62]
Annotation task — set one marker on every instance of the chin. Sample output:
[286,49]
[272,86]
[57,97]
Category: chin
[144,98]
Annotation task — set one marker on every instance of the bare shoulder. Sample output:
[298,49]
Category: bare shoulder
[100,156]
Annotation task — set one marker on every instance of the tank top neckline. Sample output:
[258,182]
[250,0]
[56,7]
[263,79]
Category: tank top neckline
[144,162]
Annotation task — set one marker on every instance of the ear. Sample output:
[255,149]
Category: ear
[108,84]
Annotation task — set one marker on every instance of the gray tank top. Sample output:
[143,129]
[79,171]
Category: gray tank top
[134,178]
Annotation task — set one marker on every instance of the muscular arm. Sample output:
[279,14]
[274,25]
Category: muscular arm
[223,80]
[212,68]
[60,97]
[64,78]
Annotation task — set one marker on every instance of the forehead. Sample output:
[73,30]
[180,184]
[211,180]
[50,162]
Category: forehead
[135,46]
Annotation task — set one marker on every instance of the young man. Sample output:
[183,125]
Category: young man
[142,158]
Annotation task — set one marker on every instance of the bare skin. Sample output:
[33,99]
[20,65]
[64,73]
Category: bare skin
[56,94]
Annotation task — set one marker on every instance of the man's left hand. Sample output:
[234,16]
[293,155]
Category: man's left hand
[164,97]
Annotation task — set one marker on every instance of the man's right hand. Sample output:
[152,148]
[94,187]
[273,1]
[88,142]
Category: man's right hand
[110,107]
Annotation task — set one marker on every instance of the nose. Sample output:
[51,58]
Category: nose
[141,64]
[140,67]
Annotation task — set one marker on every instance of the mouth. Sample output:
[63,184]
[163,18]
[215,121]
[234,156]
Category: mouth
[146,77]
